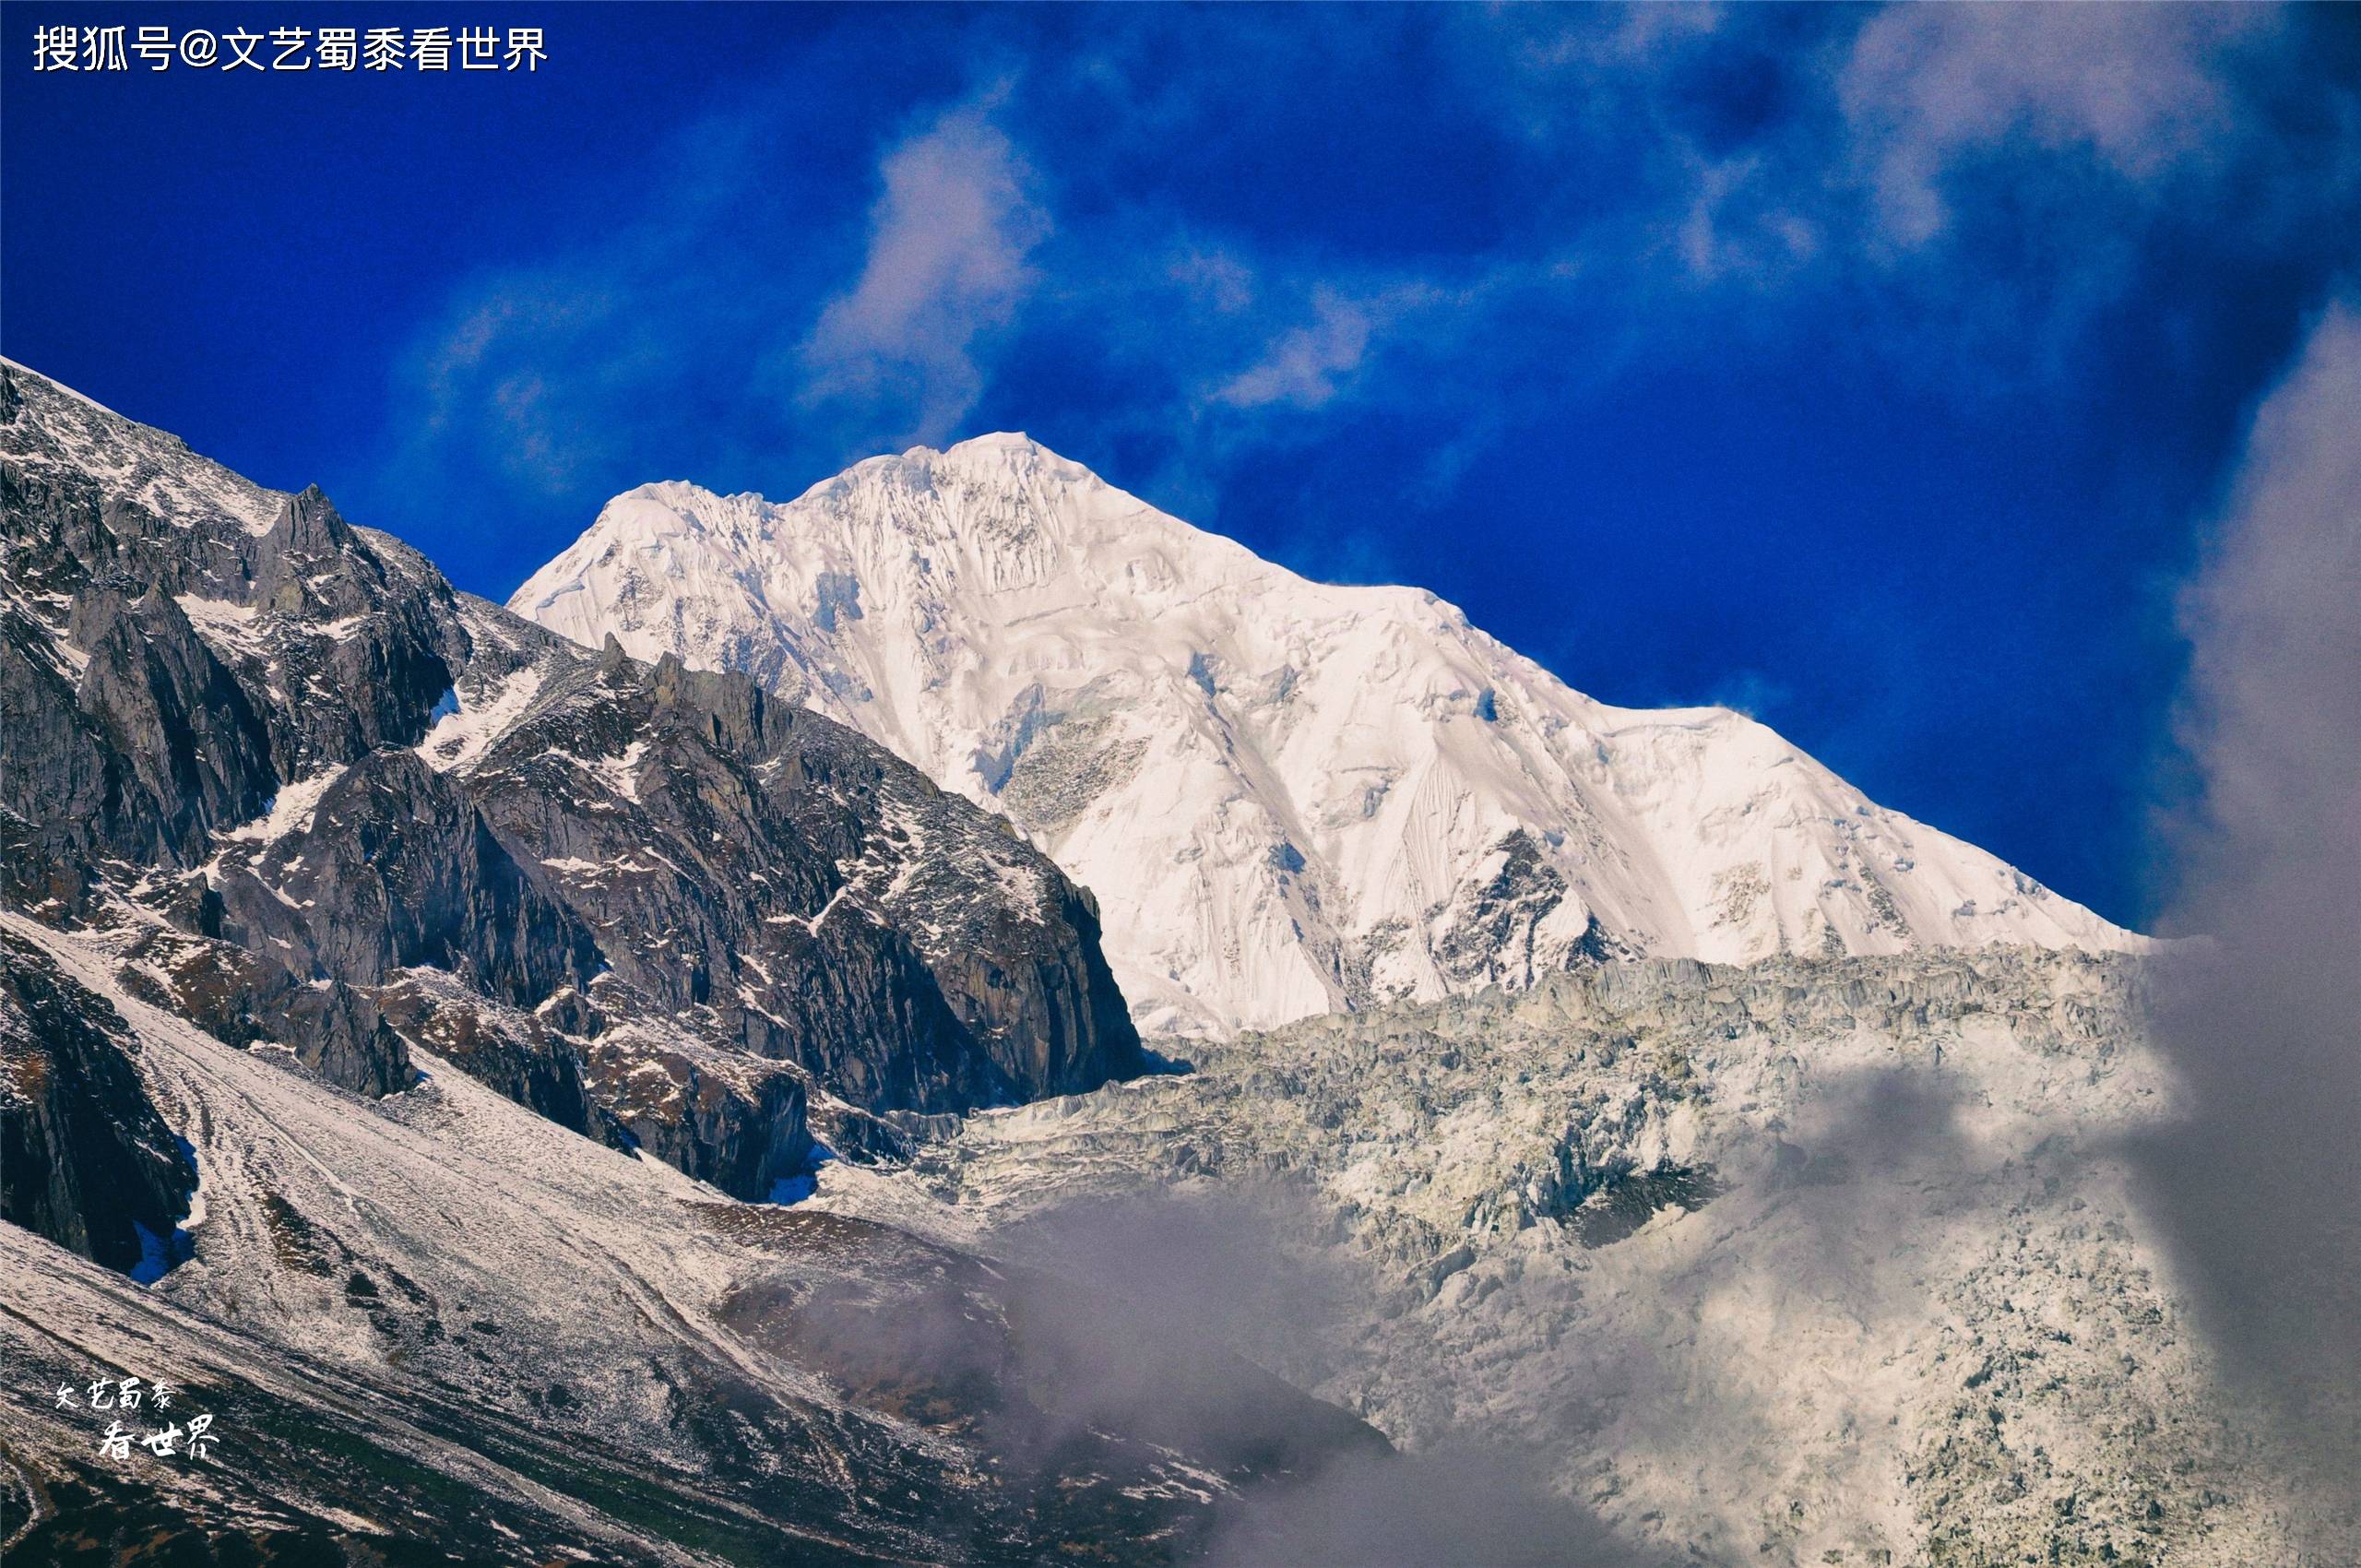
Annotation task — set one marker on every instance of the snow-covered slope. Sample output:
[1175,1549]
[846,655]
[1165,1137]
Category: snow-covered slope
[1290,798]
[436,1323]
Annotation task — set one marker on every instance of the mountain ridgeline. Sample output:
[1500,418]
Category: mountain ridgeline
[315,801]
[1293,798]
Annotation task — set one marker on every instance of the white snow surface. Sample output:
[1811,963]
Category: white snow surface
[1289,797]
[474,720]
[291,810]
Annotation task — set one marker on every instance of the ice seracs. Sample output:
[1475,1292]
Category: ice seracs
[1804,1263]
[1289,797]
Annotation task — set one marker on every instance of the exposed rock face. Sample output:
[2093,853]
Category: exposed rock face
[801,892]
[144,731]
[516,1052]
[195,756]
[319,800]
[84,1159]
[244,998]
[395,868]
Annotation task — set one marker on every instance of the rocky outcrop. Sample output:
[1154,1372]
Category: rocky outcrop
[295,773]
[743,1125]
[190,755]
[208,658]
[395,868]
[793,890]
[85,1160]
[242,998]
[515,1052]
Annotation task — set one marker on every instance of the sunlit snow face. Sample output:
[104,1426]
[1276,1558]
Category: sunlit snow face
[1287,797]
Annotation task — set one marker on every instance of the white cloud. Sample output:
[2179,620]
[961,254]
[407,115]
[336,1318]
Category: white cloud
[1222,282]
[2275,618]
[947,264]
[2138,88]
[485,379]
[1303,367]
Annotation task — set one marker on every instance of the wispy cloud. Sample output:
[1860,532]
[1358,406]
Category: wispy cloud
[465,380]
[1304,365]
[1311,361]
[1929,88]
[948,263]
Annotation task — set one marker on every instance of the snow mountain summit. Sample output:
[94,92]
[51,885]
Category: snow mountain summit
[1290,798]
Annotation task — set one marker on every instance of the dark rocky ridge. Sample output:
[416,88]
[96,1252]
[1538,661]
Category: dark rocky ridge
[657,906]
[84,1158]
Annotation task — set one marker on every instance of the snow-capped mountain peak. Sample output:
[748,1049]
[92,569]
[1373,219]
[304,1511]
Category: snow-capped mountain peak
[1290,797]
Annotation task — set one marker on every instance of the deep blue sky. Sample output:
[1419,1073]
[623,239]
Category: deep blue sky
[1873,370]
